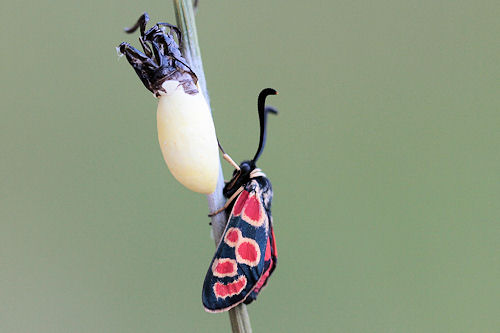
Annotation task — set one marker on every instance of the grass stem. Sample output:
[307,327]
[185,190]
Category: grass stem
[240,321]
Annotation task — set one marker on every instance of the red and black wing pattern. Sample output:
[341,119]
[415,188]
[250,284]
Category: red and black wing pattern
[246,255]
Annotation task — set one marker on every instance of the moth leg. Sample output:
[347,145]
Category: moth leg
[218,211]
[228,202]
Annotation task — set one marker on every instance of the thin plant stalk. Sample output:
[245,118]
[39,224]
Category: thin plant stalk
[240,321]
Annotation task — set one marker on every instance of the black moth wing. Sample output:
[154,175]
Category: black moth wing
[246,255]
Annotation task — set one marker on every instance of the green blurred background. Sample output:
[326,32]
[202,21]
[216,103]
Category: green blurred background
[384,161]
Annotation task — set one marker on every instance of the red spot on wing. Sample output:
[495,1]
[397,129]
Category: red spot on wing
[240,202]
[252,208]
[232,236]
[253,211]
[248,252]
[233,288]
[224,267]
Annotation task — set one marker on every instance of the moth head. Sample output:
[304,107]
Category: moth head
[241,175]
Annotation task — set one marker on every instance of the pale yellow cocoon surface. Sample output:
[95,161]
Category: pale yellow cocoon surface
[187,138]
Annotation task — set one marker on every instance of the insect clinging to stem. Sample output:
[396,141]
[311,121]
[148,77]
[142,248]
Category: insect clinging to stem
[186,132]
[246,255]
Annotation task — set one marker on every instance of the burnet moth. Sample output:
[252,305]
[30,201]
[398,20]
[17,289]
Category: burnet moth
[246,254]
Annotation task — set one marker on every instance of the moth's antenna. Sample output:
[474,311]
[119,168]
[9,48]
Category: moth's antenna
[227,157]
[263,111]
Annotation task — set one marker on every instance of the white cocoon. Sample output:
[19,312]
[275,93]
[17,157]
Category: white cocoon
[187,138]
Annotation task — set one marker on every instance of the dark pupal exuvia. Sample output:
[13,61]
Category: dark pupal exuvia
[162,59]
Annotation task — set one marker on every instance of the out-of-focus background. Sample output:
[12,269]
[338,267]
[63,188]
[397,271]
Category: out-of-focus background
[384,160]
